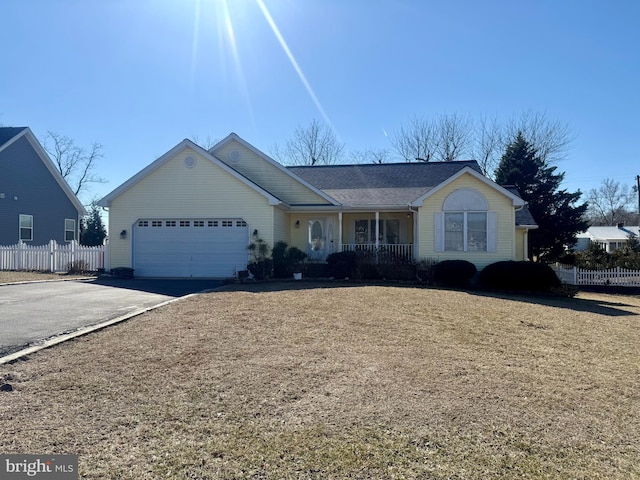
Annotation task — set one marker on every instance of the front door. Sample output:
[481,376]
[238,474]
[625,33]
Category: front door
[317,239]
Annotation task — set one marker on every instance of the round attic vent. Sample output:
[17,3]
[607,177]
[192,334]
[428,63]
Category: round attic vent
[234,156]
[190,161]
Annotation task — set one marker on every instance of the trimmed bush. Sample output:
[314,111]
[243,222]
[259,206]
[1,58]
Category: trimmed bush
[527,276]
[342,264]
[286,259]
[454,273]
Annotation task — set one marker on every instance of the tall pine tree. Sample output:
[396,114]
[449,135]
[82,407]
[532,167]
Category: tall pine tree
[556,211]
[92,232]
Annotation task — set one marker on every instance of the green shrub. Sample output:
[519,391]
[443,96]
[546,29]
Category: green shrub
[342,264]
[527,276]
[261,264]
[396,270]
[286,259]
[424,269]
[366,268]
[454,273]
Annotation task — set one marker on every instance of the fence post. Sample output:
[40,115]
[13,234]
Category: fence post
[52,263]
[20,254]
[575,275]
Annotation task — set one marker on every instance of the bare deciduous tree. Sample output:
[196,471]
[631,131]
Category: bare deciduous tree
[418,139]
[370,155]
[488,145]
[611,203]
[456,136]
[75,164]
[207,143]
[444,139]
[316,144]
[551,138]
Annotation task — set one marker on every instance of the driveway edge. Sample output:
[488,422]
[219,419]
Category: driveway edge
[84,331]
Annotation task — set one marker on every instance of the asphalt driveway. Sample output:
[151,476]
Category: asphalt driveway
[33,312]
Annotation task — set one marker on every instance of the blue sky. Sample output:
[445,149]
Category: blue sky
[139,76]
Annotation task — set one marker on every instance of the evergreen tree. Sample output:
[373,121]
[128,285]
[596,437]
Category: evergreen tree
[92,231]
[556,211]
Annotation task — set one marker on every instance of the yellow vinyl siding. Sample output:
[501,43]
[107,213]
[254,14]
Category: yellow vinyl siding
[520,236]
[498,203]
[174,191]
[280,226]
[268,176]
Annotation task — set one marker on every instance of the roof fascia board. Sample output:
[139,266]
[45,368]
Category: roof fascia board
[186,143]
[268,159]
[44,156]
[515,200]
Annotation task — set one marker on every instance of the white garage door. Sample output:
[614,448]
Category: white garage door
[211,247]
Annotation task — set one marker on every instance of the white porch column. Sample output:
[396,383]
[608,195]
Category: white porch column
[339,231]
[377,228]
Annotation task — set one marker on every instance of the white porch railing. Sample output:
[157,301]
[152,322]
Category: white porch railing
[614,276]
[51,257]
[402,251]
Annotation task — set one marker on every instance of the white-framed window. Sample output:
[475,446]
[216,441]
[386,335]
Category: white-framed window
[185,223]
[156,223]
[465,224]
[143,223]
[170,223]
[69,229]
[465,231]
[26,227]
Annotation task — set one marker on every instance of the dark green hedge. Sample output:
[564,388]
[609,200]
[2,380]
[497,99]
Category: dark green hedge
[454,273]
[511,275]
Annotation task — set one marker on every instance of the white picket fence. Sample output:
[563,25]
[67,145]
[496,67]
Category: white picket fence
[52,257]
[620,277]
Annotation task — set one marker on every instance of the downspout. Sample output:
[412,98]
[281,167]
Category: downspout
[525,240]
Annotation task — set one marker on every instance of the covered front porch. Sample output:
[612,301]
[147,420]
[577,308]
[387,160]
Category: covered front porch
[379,233]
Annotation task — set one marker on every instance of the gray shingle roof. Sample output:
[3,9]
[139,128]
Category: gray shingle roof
[380,183]
[7,133]
[523,216]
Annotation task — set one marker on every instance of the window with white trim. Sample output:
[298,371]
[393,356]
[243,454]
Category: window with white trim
[26,227]
[465,224]
[69,229]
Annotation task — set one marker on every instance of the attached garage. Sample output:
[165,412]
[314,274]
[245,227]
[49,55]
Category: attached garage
[186,247]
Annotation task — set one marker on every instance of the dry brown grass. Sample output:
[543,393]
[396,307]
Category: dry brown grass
[342,382]
[7,276]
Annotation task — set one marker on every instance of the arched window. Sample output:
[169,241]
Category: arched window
[465,223]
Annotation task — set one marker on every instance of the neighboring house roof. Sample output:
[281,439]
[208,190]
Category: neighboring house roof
[380,184]
[609,234]
[9,135]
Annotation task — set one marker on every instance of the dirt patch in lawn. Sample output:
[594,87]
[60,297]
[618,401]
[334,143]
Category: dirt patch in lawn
[341,382]
[7,276]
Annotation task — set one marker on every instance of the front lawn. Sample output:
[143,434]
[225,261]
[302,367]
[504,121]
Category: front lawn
[341,382]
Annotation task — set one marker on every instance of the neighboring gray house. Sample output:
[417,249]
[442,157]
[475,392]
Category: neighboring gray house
[609,238]
[36,204]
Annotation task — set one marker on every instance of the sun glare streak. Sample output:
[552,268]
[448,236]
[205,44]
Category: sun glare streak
[294,63]
[194,43]
[228,27]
